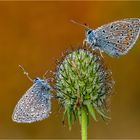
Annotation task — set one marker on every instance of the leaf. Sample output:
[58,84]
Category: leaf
[104,119]
[102,113]
[91,110]
[69,113]
[88,119]
[64,116]
[75,114]
[79,115]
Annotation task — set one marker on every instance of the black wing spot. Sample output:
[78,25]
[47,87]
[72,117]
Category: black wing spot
[42,105]
[111,26]
[103,31]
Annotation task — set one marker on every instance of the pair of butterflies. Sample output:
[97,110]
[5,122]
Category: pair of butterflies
[115,39]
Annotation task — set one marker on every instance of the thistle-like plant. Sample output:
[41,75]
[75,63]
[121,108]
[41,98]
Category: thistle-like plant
[83,84]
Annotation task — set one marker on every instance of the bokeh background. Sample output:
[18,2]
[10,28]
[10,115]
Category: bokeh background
[35,35]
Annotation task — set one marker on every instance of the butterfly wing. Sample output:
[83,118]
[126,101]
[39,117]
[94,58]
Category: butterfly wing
[34,105]
[118,37]
[133,21]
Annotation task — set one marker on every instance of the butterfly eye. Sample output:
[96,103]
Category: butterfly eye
[89,32]
[36,79]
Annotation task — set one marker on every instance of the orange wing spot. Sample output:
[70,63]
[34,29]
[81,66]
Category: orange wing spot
[125,26]
[125,42]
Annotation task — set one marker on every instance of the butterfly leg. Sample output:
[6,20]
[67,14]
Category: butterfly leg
[47,72]
[101,51]
[85,42]
[92,46]
[51,79]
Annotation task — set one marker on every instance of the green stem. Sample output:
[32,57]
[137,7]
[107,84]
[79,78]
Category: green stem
[84,123]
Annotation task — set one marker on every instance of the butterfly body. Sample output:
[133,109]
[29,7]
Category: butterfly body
[35,104]
[115,38]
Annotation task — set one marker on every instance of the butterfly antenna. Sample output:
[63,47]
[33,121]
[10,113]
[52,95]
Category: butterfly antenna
[78,23]
[26,73]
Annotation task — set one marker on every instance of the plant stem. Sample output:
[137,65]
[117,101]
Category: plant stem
[84,123]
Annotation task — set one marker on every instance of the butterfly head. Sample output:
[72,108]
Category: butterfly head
[42,82]
[90,36]
[90,33]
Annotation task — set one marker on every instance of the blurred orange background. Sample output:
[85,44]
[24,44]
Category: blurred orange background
[35,34]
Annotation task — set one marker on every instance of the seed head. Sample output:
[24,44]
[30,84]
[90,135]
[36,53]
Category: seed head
[82,79]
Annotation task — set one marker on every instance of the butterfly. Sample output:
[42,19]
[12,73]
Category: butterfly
[115,38]
[35,104]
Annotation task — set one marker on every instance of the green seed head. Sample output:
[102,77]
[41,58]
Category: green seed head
[82,80]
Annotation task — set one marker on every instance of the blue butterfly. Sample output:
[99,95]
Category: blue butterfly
[35,104]
[115,38]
